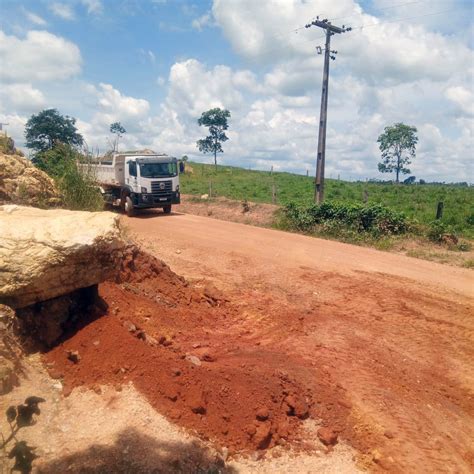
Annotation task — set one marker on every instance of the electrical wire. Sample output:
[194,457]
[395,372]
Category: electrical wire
[360,27]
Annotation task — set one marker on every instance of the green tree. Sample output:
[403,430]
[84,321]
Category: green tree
[118,130]
[398,146]
[216,120]
[48,128]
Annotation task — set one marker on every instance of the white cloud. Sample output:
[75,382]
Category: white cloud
[384,74]
[388,52]
[110,106]
[40,56]
[113,102]
[193,88]
[62,10]
[147,55]
[203,21]
[34,18]
[94,7]
[463,97]
[21,97]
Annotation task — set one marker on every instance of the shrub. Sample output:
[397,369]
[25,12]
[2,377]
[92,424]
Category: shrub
[334,217]
[437,230]
[464,246]
[79,191]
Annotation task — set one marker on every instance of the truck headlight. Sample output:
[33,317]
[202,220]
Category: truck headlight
[177,188]
[144,190]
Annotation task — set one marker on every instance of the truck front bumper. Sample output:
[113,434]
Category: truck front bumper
[152,200]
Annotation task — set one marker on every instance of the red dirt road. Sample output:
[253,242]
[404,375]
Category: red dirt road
[384,342]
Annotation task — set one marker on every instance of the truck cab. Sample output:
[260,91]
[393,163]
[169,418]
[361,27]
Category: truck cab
[152,181]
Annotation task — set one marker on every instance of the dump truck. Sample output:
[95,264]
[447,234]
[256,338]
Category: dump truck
[137,180]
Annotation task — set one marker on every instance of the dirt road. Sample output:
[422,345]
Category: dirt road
[383,344]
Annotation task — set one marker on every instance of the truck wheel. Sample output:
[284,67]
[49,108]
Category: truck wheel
[129,210]
[167,209]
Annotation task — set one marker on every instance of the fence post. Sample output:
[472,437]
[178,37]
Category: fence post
[210,188]
[439,210]
[273,193]
[365,196]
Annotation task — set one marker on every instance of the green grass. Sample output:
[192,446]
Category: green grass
[416,201]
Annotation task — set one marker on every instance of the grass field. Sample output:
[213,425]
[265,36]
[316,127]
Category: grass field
[416,201]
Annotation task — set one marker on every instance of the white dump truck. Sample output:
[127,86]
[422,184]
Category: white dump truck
[138,180]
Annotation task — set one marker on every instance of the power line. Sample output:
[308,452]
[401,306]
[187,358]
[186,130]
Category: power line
[299,28]
[396,5]
[370,25]
[361,27]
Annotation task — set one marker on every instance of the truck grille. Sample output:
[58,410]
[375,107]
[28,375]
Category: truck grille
[160,188]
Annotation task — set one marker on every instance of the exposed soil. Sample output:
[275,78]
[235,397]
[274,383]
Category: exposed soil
[178,344]
[265,215]
[349,354]
[260,214]
[380,345]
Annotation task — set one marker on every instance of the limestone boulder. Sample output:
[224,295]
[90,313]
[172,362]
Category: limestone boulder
[49,253]
[23,183]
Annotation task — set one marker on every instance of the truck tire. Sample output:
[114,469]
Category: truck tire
[167,209]
[129,210]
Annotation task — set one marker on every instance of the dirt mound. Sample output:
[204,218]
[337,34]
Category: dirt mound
[170,339]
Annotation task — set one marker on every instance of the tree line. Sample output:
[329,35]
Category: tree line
[48,129]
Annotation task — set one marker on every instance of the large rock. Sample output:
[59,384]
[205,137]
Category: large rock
[48,253]
[23,183]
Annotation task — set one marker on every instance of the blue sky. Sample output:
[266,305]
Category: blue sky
[156,65]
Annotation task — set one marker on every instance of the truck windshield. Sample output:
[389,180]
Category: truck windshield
[157,170]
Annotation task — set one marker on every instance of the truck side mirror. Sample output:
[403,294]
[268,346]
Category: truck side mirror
[181,166]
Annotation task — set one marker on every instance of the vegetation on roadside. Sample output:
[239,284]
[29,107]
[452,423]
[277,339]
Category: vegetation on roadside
[417,202]
[78,190]
[56,144]
[343,220]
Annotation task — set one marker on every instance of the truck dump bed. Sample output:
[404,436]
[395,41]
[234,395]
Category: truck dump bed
[110,169]
[110,172]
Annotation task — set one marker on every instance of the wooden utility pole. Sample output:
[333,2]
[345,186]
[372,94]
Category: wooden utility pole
[328,54]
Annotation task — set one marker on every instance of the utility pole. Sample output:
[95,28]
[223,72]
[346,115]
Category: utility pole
[328,54]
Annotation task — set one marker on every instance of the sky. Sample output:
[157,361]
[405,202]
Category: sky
[156,65]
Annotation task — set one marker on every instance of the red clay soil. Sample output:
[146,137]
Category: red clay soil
[171,340]
[264,365]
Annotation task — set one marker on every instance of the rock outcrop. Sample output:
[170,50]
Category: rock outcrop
[48,253]
[23,183]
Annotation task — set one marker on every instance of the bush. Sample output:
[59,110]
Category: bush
[79,191]
[333,218]
[437,230]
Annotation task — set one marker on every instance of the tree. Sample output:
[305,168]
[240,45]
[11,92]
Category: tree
[216,120]
[48,128]
[117,129]
[398,146]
